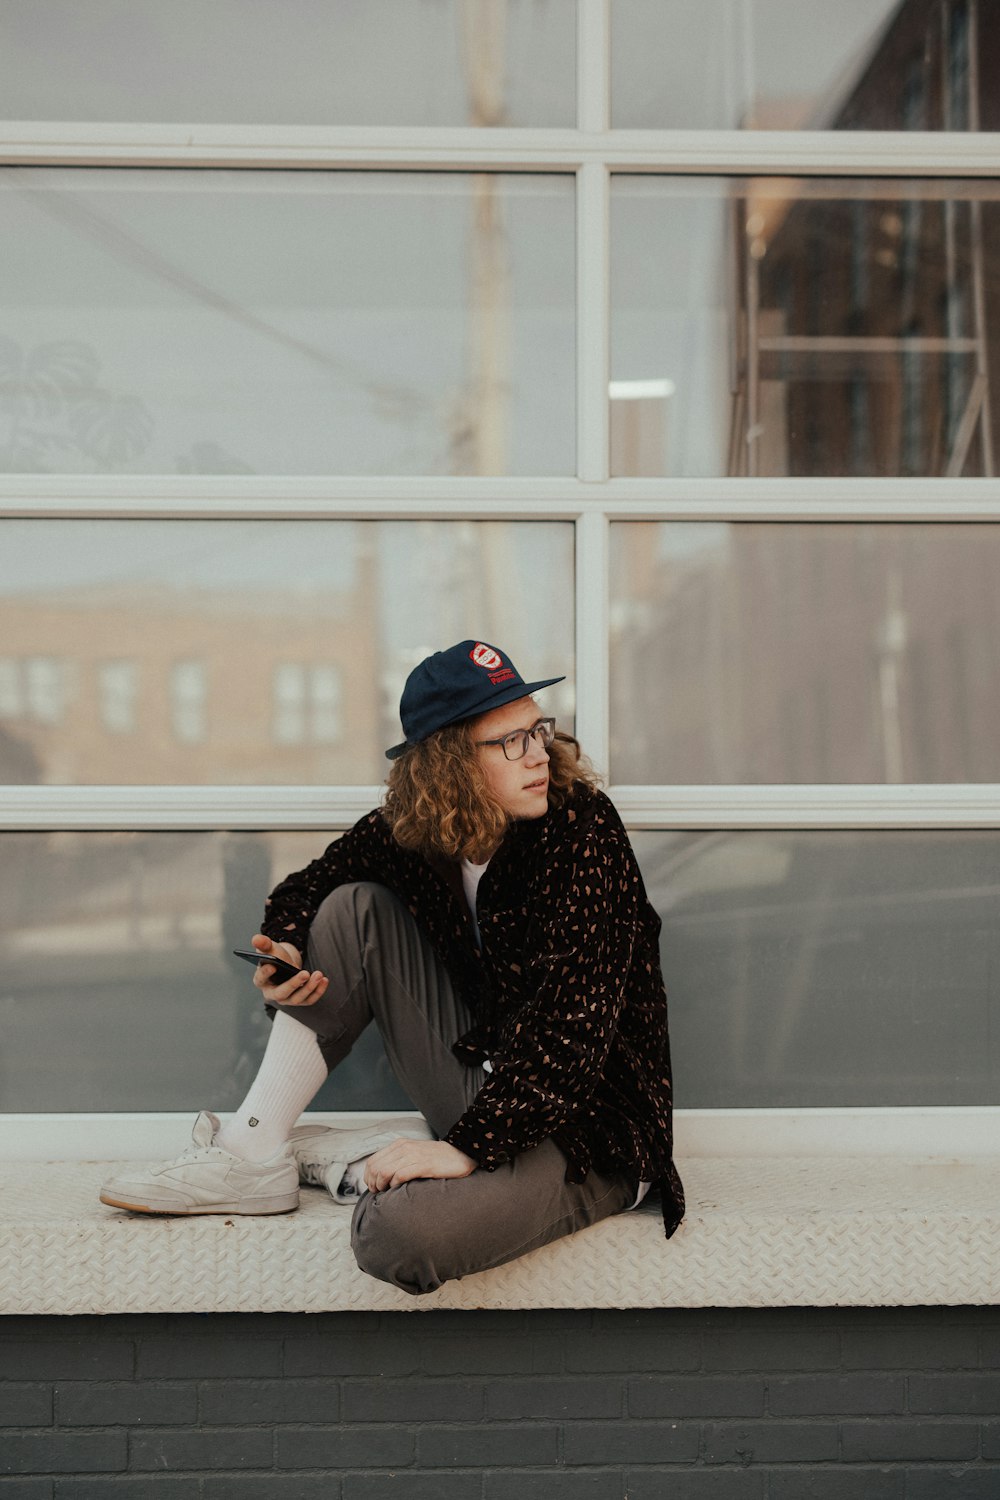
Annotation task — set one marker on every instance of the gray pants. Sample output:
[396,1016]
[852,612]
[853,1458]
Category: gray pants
[382,968]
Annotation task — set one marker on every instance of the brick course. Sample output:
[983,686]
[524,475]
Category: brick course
[717,1404]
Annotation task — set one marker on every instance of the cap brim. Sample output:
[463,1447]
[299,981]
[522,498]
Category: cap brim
[495,700]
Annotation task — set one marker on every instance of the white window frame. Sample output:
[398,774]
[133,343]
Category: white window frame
[590,502]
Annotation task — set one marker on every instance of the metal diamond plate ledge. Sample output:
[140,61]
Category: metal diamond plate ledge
[792,1231]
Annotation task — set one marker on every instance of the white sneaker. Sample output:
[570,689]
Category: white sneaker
[326,1153]
[204,1179]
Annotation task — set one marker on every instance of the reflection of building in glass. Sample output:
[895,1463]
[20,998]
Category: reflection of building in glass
[865,312]
[805,654]
[176,686]
[254,652]
[933,69]
[118,693]
[105,938]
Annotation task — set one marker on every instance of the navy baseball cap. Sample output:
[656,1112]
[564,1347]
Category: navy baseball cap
[466,680]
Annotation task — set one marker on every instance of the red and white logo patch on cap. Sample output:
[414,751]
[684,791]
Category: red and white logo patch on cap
[486,657]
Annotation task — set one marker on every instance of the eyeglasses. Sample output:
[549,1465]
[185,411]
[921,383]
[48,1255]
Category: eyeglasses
[515,744]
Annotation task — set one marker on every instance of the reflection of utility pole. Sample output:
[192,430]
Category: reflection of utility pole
[486,405]
[891,643]
[479,440]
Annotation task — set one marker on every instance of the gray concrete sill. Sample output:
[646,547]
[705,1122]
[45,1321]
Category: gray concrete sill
[789,1231]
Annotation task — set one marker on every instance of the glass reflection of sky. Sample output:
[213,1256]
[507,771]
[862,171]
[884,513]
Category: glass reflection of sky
[39,556]
[438,581]
[680,65]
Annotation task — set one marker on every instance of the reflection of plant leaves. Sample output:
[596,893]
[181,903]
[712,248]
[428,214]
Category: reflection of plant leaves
[11,374]
[112,429]
[61,371]
[37,384]
[25,457]
[395,404]
[210,458]
[34,452]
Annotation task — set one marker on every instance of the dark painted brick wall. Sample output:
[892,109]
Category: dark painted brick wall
[766,1404]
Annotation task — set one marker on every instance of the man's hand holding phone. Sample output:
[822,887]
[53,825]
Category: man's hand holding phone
[301,988]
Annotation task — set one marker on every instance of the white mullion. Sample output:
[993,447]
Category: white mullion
[804,499]
[126,808]
[235,509]
[289,147]
[593,65]
[593,231]
[118,496]
[914,805]
[833,805]
[592,664]
[758,153]
[593,305]
[288,494]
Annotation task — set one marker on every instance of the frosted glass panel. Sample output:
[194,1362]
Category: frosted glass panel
[286,323]
[254,652]
[116,985]
[830,969]
[784,326]
[784,653]
[295,62]
[804,64]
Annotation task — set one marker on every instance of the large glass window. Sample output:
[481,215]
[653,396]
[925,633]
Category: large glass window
[269,652]
[804,64]
[290,62]
[117,986]
[839,968]
[225,285]
[286,323]
[850,968]
[803,327]
[804,653]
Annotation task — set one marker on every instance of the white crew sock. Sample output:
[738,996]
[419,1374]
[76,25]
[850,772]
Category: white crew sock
[290,1074]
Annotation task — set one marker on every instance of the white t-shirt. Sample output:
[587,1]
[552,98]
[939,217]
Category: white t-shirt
[471,876]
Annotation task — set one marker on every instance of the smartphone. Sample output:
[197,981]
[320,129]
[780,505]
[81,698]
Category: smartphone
[283,969]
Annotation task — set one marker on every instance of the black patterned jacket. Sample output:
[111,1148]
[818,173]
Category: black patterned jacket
[567,995]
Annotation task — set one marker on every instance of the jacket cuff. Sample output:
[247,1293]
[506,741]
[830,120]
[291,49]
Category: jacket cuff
[279,932]
[470,1140]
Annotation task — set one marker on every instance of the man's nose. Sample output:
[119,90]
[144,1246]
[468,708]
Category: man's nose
[536,753]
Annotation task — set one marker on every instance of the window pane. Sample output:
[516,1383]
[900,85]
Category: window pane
[295,62]
[804,969]
[817,653]
[116,981]
[188,692]
[804,64]
[258,652]
[840,969]
[793,327]
[286,323]
[117,691]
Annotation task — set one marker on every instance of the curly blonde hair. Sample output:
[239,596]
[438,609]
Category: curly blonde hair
[439,801]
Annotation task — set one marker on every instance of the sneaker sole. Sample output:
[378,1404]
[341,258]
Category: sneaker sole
[283,1204]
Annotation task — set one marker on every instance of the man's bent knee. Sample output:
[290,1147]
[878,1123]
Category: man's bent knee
[355,895]
[393,1241]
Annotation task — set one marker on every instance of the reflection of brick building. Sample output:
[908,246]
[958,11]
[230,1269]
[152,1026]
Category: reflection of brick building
[176,686]
[868,308]
[934,69]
